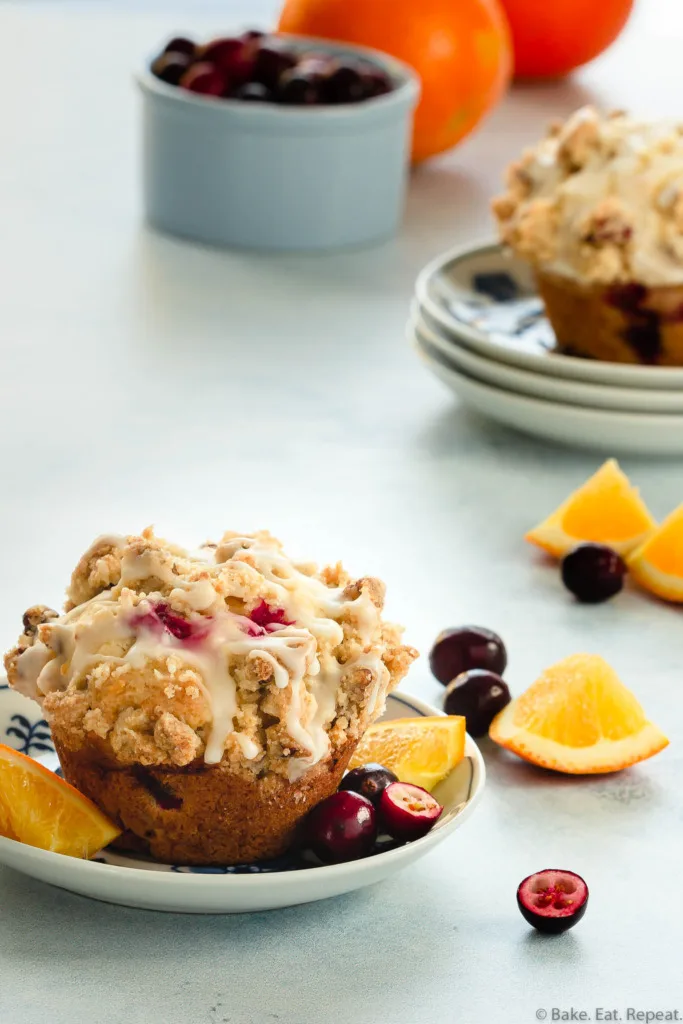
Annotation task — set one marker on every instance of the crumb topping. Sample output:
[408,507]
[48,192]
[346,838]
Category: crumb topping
[233,653]
[599,199]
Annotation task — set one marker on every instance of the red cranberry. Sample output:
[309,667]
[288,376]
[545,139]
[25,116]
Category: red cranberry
[264,615]
[458,650]
[170,67]
[230,56]
[370,781]
[161,617]
[478,695]
[593,573]
[341,828]
[180,44]
[408,812]
[178,626]
[270,63]
[203,78]
[345,85]
[297,89]
[553,900]
[376,81]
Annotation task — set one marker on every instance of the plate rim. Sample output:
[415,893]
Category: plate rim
[420,329]
[579,411]
[190,880]
[574,367]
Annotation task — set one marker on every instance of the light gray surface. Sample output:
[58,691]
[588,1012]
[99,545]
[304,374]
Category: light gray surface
[144,380]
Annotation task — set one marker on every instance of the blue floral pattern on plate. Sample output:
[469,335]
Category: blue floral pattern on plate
[494,294]
[33,736]
[499,306]
[21,724]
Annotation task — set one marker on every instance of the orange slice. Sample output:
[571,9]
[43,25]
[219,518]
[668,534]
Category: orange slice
[578,718]
[418,750]
[40,809]
[657,565]
[607,509]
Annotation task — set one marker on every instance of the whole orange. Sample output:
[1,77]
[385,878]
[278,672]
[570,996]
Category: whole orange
[460,49]
[552,38]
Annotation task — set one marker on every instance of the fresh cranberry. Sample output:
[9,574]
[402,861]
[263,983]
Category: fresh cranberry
[264,615]
[593,573]
[408,812]
[270,63]
[552,900]
[478,695]
[370,781]
[376,81]
[180,44]
[345,85]
[170,67]
[231,57]
[203,78]
[458,650]
[342,827]
[298,89]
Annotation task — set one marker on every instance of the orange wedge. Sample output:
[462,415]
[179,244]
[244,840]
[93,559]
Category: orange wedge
[607,509]
[418,750]
[578,718]
[657,565]
[40,809]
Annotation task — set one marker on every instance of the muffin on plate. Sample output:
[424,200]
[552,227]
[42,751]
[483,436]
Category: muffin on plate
[206,701]
[597,209]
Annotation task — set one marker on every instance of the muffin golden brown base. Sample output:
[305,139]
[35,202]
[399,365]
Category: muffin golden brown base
[625,323]
[201,814]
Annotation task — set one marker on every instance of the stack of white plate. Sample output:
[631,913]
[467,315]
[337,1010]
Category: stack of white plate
[478,323]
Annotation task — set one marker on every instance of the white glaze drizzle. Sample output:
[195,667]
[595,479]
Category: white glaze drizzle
[76,645]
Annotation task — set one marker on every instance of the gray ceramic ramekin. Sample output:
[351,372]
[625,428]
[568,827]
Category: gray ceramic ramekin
[263,176]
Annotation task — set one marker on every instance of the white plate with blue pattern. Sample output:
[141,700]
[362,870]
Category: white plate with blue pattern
[117,878]
[486,299]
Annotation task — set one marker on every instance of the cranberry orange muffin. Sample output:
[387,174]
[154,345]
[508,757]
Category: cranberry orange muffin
[597,209]
[206,701]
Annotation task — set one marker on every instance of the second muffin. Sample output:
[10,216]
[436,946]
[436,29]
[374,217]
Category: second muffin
[597,209]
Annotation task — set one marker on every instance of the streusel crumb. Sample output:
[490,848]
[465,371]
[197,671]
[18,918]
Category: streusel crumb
[600,200]
[234,655]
